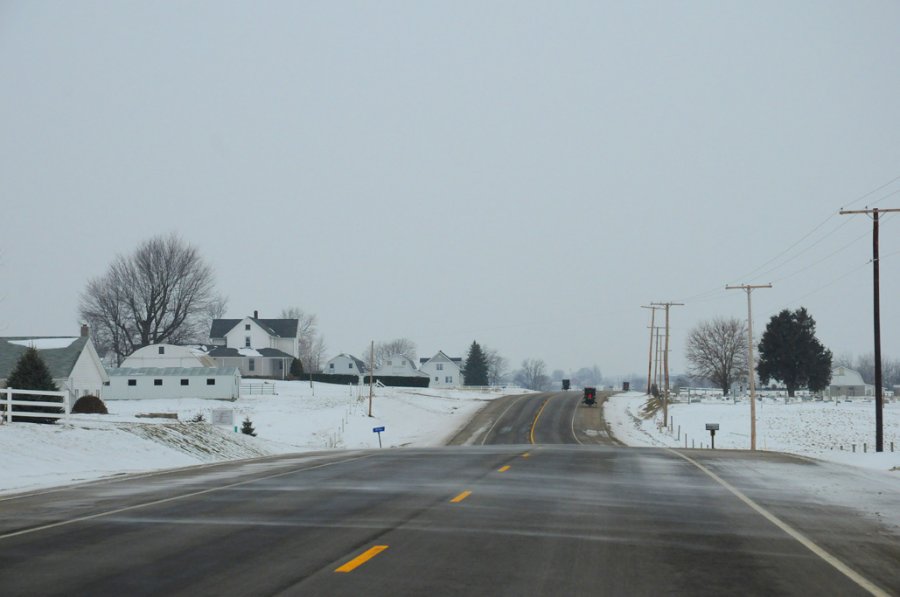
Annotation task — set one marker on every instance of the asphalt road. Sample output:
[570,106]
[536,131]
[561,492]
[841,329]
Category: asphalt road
[523,509]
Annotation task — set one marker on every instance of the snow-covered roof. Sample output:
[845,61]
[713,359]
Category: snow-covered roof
[842,377]
[172,371]
[45,343]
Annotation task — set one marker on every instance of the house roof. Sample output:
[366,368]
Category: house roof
[283,328]
[59,353]
[440,353]
[171,371]
[222,352]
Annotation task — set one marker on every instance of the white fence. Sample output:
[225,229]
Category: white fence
[6,411]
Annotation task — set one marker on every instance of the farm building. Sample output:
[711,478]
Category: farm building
[222,383]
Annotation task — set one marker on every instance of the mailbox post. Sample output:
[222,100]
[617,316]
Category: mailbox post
[712,428]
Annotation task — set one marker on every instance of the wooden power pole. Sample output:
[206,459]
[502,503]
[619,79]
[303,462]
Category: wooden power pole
[372,377]
[650,357]
[751,374]
[879,382]
[666,360]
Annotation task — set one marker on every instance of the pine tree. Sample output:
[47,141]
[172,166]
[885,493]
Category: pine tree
[296,370]
[789,352]
[247,427]
[31,373]
[475,372]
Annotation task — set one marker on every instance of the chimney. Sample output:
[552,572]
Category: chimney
[256,315]
[85,330]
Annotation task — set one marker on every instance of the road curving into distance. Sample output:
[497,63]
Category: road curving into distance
[535,499]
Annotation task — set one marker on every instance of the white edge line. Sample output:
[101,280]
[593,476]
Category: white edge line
[172,499]
[843,568]
[574,414]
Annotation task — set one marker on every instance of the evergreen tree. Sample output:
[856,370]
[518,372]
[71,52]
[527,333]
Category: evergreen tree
[31,373]
[296,370]
[475,373]
[789,352]
[247,427]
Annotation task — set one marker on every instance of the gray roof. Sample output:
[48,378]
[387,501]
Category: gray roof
[222,352]
[283,328]
[60,361]
[171,371]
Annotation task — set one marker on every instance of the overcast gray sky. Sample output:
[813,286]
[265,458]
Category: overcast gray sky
[524,174]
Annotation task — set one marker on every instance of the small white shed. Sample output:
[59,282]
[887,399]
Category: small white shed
[222,383]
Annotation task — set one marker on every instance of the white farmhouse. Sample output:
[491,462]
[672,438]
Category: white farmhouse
[258,347]
[444,371]
[72,360]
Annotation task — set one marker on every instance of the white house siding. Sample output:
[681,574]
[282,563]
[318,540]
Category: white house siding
[288,345]
[226,386]
[88,375]
[443,371]
[259,338]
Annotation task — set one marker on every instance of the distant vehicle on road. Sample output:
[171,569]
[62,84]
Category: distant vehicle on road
[590,396]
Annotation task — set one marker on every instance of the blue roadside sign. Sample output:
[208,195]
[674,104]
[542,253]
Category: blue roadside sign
[377,429]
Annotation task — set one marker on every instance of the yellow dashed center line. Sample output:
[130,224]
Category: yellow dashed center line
[503,469]
[361,559]
[461,497]
[526,454]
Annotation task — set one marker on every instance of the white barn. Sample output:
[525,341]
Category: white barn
[398,365]
[345,364]
[847,382]
[125,383]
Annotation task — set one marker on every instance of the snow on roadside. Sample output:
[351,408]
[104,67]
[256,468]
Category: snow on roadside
[300,417]
[813,429]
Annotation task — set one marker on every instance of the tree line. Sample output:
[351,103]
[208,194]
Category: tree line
[788,350]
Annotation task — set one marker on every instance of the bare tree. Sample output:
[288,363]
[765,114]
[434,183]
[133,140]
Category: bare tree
[497,366]
[312,344]
[384,350]
[159,293]
[865,366]
[717,351]
[533,375]
[216,309]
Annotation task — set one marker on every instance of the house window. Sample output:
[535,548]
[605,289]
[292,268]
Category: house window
[331,365]
[448,379]
[246,341]
[252,364]
[435,379]
[280,365]
[350,366]
[157,382]
[440,366]
[162,350]
[210,381]
[185,382]
[132,382]
[247,326]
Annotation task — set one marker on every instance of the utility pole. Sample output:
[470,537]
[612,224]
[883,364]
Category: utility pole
[876,291]
[650,356]
[666,360]
[749,288]
[371,377]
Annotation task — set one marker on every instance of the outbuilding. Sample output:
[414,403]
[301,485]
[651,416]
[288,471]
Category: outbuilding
[125,383]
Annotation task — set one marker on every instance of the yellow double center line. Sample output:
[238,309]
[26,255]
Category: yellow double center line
[538,416]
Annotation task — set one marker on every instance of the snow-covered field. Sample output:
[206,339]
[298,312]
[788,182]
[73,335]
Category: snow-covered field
[815,429]
[300,417]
